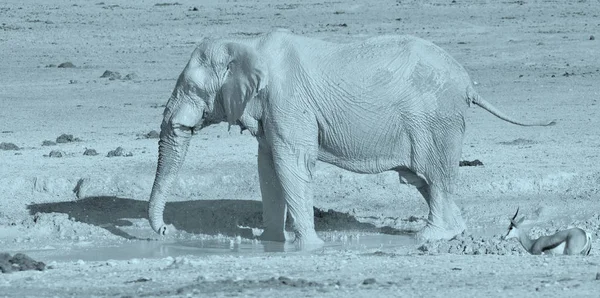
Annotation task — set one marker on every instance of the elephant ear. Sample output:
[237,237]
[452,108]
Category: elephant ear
[246,76]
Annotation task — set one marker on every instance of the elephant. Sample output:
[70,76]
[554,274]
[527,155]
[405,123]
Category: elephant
[385,103]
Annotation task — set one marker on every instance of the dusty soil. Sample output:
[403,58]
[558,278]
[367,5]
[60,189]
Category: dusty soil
[532,59]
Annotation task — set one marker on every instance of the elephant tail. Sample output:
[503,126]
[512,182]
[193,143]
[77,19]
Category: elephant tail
[474,97]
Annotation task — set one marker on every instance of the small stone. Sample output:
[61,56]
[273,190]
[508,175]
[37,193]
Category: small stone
[468,250]
[467,163]
[131,76]
[153,134]
[56,153]
[48,143]
[24,262]
[90,152]
[369,281]
[592,37]
[285,280]
[66,65]
[8,146]
[111,75]
[116,152]
[66,138]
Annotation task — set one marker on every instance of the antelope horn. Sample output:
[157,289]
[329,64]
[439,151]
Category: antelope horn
[515,214]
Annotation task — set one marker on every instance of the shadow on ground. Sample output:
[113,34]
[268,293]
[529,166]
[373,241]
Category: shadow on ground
[210,217]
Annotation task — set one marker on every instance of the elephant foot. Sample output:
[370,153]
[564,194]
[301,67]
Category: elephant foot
[308,242]
[436,232]
[273,235]
[450,225]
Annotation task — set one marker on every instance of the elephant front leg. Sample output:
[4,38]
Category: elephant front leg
[294,167]
[445,219]
[274,207]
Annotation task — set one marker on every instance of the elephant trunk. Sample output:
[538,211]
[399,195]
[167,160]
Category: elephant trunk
[174,140]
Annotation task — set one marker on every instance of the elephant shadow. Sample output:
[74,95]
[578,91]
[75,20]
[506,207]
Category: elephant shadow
[209,217]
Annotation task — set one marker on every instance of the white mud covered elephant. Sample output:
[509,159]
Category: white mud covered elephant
[388,103]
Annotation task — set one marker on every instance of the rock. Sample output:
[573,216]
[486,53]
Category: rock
[116,152]
[90,152]
[466,163]
[592,37]
[111,75]
[130,76]
[5,265]
[56,153]
[66,138]
[66,65]
[369,281]
[468,250]
[8,146]
[153,134]
[19,262]
[48,143]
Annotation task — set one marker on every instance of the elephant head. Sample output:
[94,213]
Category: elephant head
[216,84]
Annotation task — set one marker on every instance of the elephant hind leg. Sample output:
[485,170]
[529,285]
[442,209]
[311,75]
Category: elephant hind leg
[444,220]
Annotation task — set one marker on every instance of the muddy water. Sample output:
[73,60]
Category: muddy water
[174,248]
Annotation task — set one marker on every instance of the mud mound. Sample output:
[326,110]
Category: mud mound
[464,244]
[118,152]
[469,163]
[19,262]
[67,64]
[90,152]
[66,138]
[232,286]
[8,146]
[63,227]
[153,134]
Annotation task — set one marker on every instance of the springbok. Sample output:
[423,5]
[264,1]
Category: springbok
[569,242]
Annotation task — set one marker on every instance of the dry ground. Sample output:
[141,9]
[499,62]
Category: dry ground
[532,59]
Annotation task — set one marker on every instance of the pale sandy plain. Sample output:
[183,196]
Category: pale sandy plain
[532,59]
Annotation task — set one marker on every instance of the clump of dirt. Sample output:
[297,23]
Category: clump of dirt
[464,244]
[66,65]
[114,75]
[233,286]
[19,262]
[8,146]
[66,138]
[518,142]
[90,152]
[153,134]
[118,152]
[130,77]
[467,163]
[48,143]
[167,4]
[48,223]
[111,75]
[56,153]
